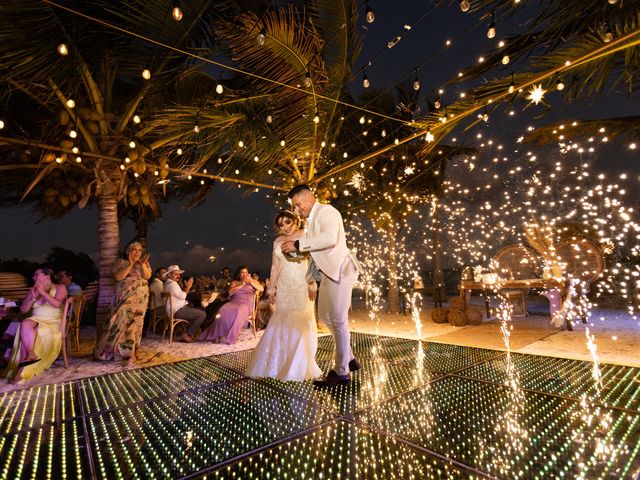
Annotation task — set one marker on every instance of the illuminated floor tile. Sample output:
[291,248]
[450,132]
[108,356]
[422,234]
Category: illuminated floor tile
[123,388]
[341,450]
[560,376]
[32,407]
[541,436]
[52,451]
[175,436]
[236,361]
[375,382]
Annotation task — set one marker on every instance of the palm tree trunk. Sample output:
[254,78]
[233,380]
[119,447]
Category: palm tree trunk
[109,239]
[393,295]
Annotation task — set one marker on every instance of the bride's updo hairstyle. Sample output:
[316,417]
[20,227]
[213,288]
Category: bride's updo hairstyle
[295,219]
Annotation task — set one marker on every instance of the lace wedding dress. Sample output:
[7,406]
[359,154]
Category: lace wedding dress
[287,349]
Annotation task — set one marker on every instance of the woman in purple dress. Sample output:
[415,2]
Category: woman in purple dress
[234,314]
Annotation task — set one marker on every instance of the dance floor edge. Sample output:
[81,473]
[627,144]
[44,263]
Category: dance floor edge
[415,410]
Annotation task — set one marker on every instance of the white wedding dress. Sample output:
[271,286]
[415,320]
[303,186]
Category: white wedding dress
[287,349]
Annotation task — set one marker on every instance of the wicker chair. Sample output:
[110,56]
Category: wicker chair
[516,262]
[170,321]
[70,327]
[157,312]
[582,260]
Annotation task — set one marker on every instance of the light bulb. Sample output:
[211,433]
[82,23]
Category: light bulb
[383,133]
[307,79]
[371,17]
[132,144]
[219,89]
[365,80]
[362,120]
[611,2]
[1,124]
[282,143]
[136,119]
[73,134]
[179,151]
[196,128]
[241,144]
[71,103]
[464,5]
[491,32]
[416,83]
[437,103]
[505,59]
[63,50]
[262,35]
[176,13]
[512,87]
[269,118]
[78,159]
[146,74]
[608,36]
[316,118]
[429,136]
[559,85]
[75,150]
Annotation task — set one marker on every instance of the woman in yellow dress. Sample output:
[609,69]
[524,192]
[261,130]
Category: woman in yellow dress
[38,339]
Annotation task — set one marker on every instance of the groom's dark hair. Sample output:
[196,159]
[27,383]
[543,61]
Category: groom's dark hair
[297,189]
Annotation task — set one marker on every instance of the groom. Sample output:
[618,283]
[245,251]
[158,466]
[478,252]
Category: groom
[336,268]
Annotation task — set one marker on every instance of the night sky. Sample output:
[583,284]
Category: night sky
[238,229]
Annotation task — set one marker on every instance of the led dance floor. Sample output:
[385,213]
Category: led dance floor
[414,410]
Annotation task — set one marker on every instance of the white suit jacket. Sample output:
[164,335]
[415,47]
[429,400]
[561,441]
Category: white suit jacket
[325,240]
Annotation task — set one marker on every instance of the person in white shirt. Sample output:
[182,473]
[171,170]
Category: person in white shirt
[156,286]
[181,308]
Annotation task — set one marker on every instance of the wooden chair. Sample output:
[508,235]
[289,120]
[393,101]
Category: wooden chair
[253,316]
[583,261]
[157,312]
[170,321]
[516,262]
[70,326]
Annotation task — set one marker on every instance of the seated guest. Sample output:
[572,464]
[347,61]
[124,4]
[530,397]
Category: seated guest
[65,278]
[156,286]
[223,283]
[38,338]
[234,314]
[181,308]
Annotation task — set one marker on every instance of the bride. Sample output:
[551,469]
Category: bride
[287,349]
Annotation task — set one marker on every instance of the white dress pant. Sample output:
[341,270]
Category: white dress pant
[334,300]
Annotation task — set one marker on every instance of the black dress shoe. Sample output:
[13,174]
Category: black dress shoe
[354,365]
[332,379]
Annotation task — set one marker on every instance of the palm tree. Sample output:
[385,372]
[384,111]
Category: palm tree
[74,87]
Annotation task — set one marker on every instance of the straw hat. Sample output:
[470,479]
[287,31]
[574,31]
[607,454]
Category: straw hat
[172,268]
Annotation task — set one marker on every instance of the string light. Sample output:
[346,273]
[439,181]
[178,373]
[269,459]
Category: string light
[282,142]
[132,144]
[219,89]
[429,136]
[559,84]
[316,118]
[136,119]
[269,118]
[71,103]
[608,35]
[63,50]
[262,35]
[365,79]
[505,59]
[464,5]
[196,125]
[416,82]
[73,134]
[1,124]
[176,13]
[146,74]
[491,33]
[512,85]
[307,79]
[371,17]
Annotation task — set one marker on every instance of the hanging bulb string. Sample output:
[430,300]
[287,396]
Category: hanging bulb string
[598,53]
[422,64]
[213,62]
[370,62]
